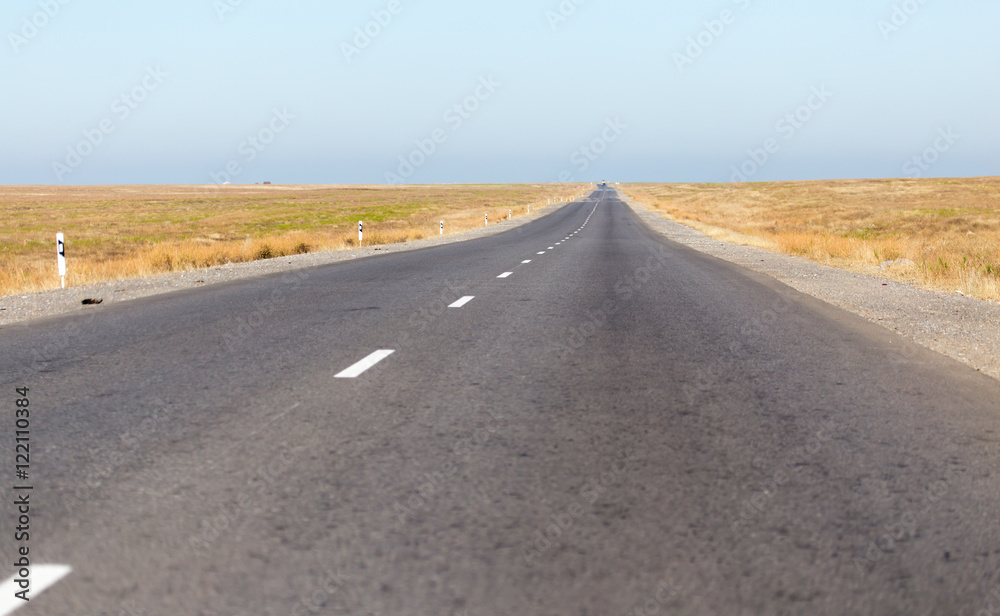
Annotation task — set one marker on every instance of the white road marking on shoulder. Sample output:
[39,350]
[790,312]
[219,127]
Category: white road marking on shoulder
[364,365]
[42,577]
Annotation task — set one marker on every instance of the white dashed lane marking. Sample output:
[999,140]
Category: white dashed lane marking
[541,253]
[42,578]
[364,365]
[526,262]
[506,275]
[465,300]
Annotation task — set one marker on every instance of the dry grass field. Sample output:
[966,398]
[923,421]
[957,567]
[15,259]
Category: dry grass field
[115,232]
[943,234]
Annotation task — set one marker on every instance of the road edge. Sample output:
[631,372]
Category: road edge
[960,327]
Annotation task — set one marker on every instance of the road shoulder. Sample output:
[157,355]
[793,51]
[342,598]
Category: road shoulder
[960,327]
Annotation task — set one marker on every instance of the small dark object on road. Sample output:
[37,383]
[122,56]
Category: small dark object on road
[91,302]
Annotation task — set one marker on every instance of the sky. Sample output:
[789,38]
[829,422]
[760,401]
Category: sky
[425,91]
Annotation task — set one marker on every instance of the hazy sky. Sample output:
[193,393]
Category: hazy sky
[115,91]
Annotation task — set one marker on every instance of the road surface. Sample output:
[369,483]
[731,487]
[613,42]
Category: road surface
[574,417]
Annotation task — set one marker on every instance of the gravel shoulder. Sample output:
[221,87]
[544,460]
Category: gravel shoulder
[963,328]
[24,307]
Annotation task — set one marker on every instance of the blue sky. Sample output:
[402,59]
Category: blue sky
[114,91]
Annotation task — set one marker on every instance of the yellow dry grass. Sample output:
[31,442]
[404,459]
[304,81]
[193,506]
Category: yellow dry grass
[115,232]
[948,228]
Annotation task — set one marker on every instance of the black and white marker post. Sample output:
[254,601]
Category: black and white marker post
[442,227]
[61,252]
[361,232]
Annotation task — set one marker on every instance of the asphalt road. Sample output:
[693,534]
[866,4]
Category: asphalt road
[619,426]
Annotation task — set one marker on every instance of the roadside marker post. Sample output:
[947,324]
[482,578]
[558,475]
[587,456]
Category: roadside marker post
[442,227]
[508,214]
[361,232]
[487,220]
[61,252]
